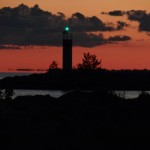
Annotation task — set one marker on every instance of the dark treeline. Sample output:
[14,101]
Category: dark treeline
[77,120]
[82,79]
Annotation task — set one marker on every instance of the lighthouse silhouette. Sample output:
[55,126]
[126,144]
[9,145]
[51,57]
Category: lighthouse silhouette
[67,49]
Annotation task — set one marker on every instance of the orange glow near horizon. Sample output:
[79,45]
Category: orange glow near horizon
[113,56]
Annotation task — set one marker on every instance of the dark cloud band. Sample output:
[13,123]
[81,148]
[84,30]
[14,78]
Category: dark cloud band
[134,15]
[23,25]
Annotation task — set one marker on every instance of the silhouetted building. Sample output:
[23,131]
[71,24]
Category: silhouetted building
[67,50]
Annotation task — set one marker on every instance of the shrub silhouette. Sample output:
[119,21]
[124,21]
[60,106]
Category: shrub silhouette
[89,62]
[1,95]
[53,65]
[8,94]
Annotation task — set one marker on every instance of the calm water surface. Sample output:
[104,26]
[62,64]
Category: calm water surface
[129,94]
[13,74]
[53,93]
[59,93]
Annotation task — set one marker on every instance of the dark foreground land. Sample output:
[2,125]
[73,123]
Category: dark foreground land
[83,79]
[78,120]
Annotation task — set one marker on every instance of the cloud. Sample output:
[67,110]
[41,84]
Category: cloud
[145,23]
[34,17]
[136,15]
[37,37]
[25,25]
[62,15]
[121,25]
[142,17]
[79,16]
[79,23]
[116,13]
[119,38]
[88,40]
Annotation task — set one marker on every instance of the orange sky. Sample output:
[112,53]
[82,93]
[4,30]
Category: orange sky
[124,56]
[89,7]
[134,54]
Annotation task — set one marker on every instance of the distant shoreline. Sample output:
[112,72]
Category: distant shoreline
[7,47]
[81,79]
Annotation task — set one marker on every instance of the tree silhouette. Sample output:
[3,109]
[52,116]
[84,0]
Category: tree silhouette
[8,94]
[53,65]
[89,62]
[1,95]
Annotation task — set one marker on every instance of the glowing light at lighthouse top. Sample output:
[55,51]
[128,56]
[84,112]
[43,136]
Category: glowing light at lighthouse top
[67,28]
[66,33]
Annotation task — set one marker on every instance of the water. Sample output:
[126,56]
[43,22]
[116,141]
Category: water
[59,93]
[25,92]
[53,93]
[12,74]
[129,94]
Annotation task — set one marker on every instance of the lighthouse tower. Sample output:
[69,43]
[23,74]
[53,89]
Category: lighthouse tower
[67,49]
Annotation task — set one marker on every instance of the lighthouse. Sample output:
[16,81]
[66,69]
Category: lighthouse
[67,49]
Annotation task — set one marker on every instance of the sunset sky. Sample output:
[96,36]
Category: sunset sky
[121,39]
[88,7]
